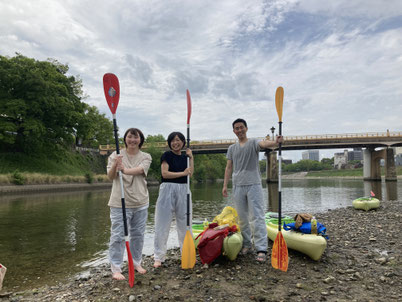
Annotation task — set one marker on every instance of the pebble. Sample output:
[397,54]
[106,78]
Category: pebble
[381,260]
[329,279]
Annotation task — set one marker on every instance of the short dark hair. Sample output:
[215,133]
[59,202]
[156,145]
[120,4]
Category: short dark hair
[173,135]
[134,131]
[239,120]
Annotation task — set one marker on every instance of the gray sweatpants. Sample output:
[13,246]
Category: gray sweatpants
[172,200]
[249,205]
[136,222]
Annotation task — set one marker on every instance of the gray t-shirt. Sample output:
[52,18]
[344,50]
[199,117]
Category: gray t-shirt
[245,160]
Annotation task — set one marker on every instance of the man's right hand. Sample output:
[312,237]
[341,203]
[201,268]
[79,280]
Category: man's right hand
[225,192]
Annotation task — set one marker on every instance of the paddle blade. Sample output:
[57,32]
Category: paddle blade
[131,275]
[188,252]
[279,258]
[111,88]
[279,102]
[188,107]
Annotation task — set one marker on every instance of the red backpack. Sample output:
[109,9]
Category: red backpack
[210,245]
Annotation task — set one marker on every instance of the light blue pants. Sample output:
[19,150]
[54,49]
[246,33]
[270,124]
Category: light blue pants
[172,201]
[136,222]
[249,205]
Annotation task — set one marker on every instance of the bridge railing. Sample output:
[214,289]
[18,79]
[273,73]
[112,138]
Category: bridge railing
[289,138]
[344,135]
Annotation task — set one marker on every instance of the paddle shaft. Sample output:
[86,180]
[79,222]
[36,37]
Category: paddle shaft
[123,202]
[188,178]
[280,179]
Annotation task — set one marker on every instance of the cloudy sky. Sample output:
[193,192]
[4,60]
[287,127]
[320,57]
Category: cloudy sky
[340,62]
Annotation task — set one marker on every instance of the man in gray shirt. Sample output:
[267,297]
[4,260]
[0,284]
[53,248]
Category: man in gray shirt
[243,161]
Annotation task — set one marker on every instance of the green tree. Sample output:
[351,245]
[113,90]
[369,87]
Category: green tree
[42,109]
[156,153]
[209,166]
[93,128]
[38,103]
[263,165]
[155,138]
[328,161]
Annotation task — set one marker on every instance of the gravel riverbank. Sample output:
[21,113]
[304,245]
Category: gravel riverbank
[363,262]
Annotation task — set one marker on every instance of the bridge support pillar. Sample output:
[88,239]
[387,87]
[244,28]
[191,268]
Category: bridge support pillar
[390,169]
[372,168]
[367,164]
[272,168]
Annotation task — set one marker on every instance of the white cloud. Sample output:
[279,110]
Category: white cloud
[339,62]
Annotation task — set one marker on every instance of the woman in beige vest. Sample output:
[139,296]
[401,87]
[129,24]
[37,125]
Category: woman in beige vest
[134,165]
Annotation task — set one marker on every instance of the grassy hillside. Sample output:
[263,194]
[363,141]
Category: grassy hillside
[67,167]
[68,163]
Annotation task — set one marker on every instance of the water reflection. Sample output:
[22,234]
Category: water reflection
[392,190]
[43,236]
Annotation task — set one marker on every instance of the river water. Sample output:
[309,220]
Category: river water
[45,237]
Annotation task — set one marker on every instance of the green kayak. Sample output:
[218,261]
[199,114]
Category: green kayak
[308,244]
[366,203]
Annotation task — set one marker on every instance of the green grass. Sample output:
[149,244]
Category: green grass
[347,172]
[65,163]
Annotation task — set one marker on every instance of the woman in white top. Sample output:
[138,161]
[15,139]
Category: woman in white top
[134,165]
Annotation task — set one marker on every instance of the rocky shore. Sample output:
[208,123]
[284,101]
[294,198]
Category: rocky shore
[363,262]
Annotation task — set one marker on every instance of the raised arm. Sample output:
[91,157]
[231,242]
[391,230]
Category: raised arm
[268,144]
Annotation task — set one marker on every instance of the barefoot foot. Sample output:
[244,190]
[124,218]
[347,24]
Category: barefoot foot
[140,269]
[118,276]
[157,264]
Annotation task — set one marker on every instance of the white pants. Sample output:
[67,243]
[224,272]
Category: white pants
[249,205]
[172,200]
[136,222]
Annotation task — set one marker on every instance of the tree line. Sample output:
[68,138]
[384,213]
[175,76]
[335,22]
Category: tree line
[42,108]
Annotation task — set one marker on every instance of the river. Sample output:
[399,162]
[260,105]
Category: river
[46,237]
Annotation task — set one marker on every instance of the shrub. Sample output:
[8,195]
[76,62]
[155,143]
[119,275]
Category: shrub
[18,179]
[89,177]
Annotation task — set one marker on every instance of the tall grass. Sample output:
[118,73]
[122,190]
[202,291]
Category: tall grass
[64,163]
[42,179]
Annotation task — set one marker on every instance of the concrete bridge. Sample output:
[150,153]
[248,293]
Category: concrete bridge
[368,141]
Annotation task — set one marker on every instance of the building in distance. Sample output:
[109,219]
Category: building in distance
[311,155]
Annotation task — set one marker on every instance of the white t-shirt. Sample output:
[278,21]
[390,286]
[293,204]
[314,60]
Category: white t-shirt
[245,159]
